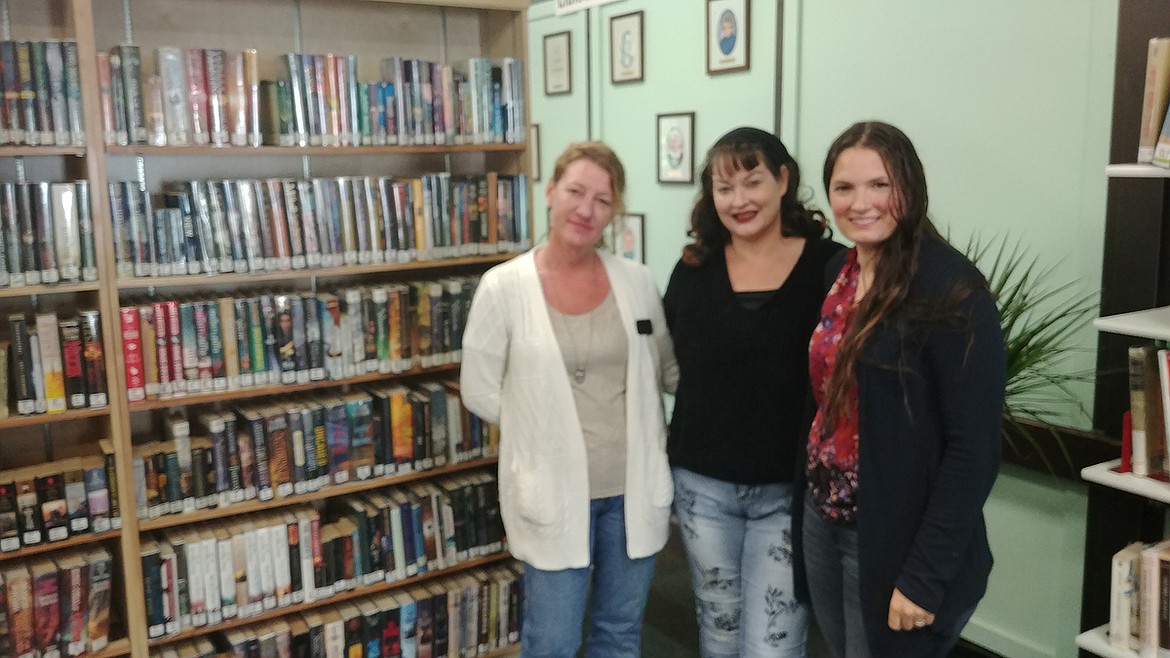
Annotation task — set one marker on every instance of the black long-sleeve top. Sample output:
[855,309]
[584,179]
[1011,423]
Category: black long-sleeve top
[743,373]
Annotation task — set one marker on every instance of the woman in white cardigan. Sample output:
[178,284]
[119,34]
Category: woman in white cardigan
[566,348]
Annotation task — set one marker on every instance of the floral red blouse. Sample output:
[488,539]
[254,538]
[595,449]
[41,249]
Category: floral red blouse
[831,469]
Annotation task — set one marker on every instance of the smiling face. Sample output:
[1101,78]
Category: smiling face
[747,200]
[863,199]
[580,203]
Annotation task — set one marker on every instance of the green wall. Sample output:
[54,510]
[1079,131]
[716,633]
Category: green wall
[1009,104]
[624,116]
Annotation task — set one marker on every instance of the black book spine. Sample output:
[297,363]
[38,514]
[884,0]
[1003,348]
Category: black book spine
[73,361]
[21,360]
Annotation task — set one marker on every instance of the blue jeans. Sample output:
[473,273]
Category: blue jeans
[830,561]
[738,540]
[554,601]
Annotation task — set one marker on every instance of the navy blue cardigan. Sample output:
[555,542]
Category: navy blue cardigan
[929,452]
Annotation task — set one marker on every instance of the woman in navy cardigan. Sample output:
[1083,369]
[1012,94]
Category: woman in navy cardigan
[908,372]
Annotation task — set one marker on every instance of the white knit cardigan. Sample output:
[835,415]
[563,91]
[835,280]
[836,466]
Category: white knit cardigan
[513,374]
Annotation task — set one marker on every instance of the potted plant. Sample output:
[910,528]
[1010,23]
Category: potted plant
[1040,316]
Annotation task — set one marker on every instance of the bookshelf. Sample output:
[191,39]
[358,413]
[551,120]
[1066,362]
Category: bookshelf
[434,30]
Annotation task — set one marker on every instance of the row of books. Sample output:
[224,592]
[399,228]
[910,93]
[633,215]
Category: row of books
[41,93]
[222,226]
[457,617]
[53,364]
[57,606]
[46,230]
[56,500]
[199,576]
[213,96]
[305,444]
[173,348]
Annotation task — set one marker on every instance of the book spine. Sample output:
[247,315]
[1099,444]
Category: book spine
[74,129]
[52,369]
[95,359]
[216,95]
[132,88]
[252,89]
[197,96]
[237,99]
[66,222]
[132,354]
[21,360]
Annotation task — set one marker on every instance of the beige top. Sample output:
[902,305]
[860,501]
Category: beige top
[594,348]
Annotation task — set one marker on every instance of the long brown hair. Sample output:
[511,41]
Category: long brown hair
[895,259]
[745,149]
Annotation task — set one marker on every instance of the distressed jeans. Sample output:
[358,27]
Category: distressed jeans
[554,601]
[738,540]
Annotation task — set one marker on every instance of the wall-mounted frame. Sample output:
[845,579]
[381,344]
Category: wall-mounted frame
[728,36]
[630,241]
[627,48]
[558,64]
[534,149]
[676,147]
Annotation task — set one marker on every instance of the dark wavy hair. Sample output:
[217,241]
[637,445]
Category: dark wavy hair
[743,149]
[896,258]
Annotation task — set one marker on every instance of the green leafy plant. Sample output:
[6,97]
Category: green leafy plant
[1040,315]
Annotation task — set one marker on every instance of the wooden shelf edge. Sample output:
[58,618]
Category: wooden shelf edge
[1105,475]
[49,547]
[1096,641]
[332,491]
[45,419]
[284,389]
[346,151]
[355,593]
[143,283]
[23,151]
[50,289]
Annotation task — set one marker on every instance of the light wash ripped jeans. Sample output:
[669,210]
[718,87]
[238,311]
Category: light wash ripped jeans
[738,540]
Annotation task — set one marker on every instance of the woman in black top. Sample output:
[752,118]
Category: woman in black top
[741,305]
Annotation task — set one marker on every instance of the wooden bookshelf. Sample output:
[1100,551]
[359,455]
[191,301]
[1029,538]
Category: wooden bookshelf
[50,289]
[357,592]
[46,547]
[251,278]
[330,491]
[45,419]
[285,389]
[297,151]
[38,151]
[461,29]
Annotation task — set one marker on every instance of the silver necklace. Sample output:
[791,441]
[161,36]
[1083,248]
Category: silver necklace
[581,365]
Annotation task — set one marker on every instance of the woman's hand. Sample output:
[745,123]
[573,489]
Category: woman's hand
[905,615]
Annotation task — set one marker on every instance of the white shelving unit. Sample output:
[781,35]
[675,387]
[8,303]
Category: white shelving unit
[1153,323]
[1136,171]
[1097,641]
[1105,474]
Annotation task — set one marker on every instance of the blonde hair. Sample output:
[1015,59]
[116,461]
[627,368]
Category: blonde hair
[602,156]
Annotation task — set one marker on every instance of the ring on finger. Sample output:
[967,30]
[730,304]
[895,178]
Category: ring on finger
[919,623]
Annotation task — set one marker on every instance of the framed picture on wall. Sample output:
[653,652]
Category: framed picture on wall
[534,149]
[676,147]
[558,77]
[630,241]
[626,48]
[728,31]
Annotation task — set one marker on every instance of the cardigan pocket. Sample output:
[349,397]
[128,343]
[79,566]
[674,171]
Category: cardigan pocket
[537,497]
